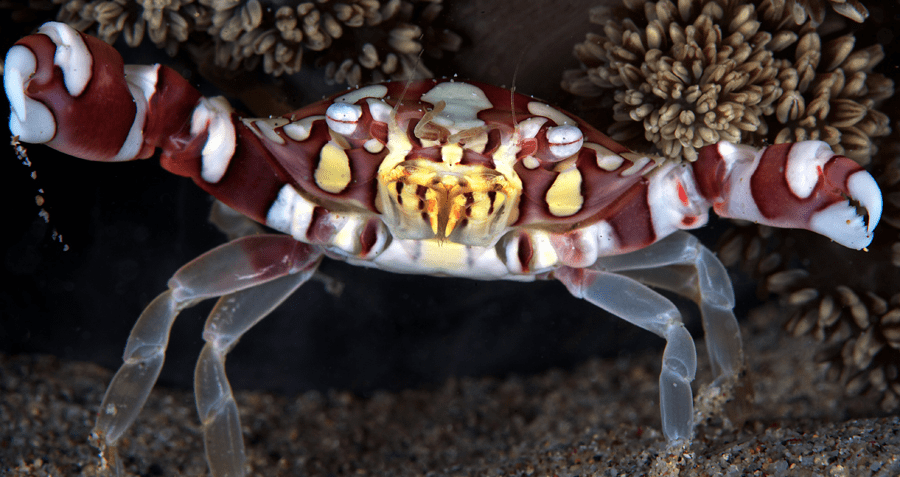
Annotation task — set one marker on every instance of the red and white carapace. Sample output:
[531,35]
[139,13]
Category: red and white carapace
[438,177]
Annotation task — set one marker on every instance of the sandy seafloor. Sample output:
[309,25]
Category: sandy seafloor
[600,419]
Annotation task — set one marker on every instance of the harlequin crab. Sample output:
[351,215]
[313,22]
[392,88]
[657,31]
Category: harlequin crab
[437,177]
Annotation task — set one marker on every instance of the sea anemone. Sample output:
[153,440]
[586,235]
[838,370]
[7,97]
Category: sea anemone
[815,9]
[860,333]
[687,74]
[345,37]
[682,74]
[837,104]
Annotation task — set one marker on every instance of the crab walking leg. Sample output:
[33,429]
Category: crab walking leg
[238,265]
[636,303]
[232,316]
[681,264]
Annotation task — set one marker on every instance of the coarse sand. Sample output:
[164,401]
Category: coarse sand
[601,418]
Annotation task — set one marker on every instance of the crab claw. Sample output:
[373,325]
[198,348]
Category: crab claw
[803,185]
[70,91]
[851,222]
[29,119]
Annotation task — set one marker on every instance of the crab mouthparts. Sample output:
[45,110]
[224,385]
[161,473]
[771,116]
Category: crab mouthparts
[467,205]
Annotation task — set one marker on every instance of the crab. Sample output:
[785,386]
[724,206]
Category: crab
[439,177]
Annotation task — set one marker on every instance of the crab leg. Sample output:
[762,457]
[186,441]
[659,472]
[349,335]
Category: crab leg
[638,304]
[678,263]
[681,264]
[245,271]
[232,316]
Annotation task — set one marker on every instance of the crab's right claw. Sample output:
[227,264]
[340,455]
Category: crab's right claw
[30,120]
[804,185]
[71,91]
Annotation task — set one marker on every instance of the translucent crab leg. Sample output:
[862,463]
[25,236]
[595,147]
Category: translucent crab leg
[228,269]
[232,316]
[636,303]
[681,264]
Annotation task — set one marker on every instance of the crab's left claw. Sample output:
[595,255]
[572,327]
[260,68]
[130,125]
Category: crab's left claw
[803,185]
[851,222]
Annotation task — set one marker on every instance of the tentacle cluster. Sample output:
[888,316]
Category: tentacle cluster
[356,39]
[860,331]
[690,73]
[816,9]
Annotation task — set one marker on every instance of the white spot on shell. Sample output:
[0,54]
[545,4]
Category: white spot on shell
[541,109]
[300,130]
[379,110]
[267,127]
[135,139]
[733,154]
[531,126]
[372,91]
[531,162]
[462,103]
[141,81]
[373,146]
[144,77]
[638,163]
[606,159]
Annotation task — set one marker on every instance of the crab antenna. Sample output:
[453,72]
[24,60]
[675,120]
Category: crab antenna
[512,92]
[409,78]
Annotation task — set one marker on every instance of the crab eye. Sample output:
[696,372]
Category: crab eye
[564,140]
[342,118]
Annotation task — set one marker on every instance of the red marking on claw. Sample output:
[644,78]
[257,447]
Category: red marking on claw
[682,195]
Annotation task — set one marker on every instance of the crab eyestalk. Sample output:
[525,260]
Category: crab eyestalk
[803,185]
